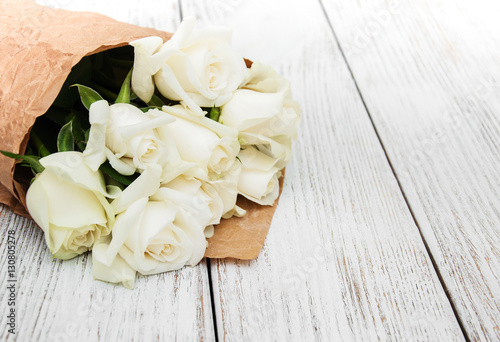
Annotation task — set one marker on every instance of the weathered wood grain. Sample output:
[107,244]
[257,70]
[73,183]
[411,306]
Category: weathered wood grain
[59,301]
[429,73]
[159,14]
[344,259]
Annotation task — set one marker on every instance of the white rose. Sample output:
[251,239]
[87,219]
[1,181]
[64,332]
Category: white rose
[198,68]
[197,197]
[153,236]
[132,140]
[117,272]
[219,196]
[264,113]
[227,188]
[259,177]
[68,201]
[204,142]
[113,268]
[131,137]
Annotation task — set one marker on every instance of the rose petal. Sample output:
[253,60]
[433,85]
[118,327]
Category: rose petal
[70,205]
[94,153]
[125,223]
[38,206]
[169,86]
[120,164]
[251,158]
[261,187]
[117,272]
[279,148]
[143,71]
[71,166]
[198,204]
[248,108]
[180,35]
[258,179]
[128,131]
[144,186]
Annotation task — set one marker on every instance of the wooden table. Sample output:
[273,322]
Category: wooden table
[388,227]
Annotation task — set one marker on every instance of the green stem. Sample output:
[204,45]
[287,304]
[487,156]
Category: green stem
[39,145]
[32,161]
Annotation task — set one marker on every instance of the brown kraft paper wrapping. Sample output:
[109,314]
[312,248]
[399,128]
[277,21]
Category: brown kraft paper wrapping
[38,48]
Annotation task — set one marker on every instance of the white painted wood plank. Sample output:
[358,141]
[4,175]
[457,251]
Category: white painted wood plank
[344,260]
[159,14]
[59,301]
[430,75]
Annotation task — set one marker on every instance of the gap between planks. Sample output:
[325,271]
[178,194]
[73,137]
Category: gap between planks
[438,272]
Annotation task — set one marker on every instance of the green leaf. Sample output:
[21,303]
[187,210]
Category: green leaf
[156,102]
[77,129]
[124,95]
[215,113]
[88,95]
[108,170]
[65,139]
[34,161]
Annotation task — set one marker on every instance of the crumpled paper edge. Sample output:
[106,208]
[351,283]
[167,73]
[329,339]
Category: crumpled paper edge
[251,229]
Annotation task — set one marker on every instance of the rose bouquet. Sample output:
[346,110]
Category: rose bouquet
[142,171]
